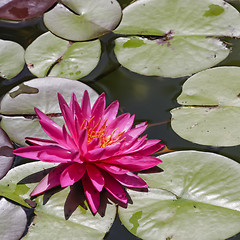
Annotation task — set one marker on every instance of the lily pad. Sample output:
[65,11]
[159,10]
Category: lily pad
[53,56]
[24,9]
[81,223]
[176,36]
[177,57]
[80,20]
[11,59]
[6,155]
[196,197]
[17,107]
[13,220]
[211,108]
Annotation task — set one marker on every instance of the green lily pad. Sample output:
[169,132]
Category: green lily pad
[196,197]
[17,107]
[11,59]
[13,220]
[176,36]
[80,20]
[6,155]
[81,223]
[211,108]
[53,56]
[178,57]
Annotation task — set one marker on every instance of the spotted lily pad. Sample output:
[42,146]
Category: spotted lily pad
[176,35]
[17,107]
[53,56]
[195,197]
[24,9]
[211,108]
[11,59]
[6,155]
[80,20]
[13,220]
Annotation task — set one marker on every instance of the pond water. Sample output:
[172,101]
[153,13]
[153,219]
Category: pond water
[149,98]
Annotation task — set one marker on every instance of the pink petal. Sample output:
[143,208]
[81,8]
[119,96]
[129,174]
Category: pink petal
[68,117]
[136,131]
[49,181]
[151,147]
[96,177]
[40,141]
[82,141]
[70,143]
[98,109]
[115,188]
[55,154]
[134,163]
[122,123]
[111,168]
[92,195]
[111,111]
[130,180]
[95,143]
[86,106]
[50,127]
[72,174]
[34,151]
[77,110]
[103,153]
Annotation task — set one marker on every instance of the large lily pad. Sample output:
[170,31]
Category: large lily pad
[24,9]
[81,222]
[17,107]
[178,57]
[211,108]
[177,34]
[6,155]
[80,20]
[13,220]
[11,59]
[196,197]
[53,56]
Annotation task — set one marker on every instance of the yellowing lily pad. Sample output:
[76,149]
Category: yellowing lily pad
[80,20]
[195,197]
[11,59]
[49,55]
[176,36]
[211,108]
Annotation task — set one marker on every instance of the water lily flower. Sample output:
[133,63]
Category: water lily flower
[94,146]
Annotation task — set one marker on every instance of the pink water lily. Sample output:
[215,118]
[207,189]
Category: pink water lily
[95,147]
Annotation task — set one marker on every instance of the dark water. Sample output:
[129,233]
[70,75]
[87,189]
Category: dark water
[149,98]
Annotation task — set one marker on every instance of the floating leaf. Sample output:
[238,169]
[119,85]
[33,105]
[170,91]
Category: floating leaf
[177,57]
[177,34]
[50,55]
[195,197]
[6,155]
[81,222]
[24,9]
[211,110]
[11,59]
[13,220]
[17,107]
[80,20]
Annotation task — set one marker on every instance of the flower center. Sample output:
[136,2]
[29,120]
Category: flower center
[94,131]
